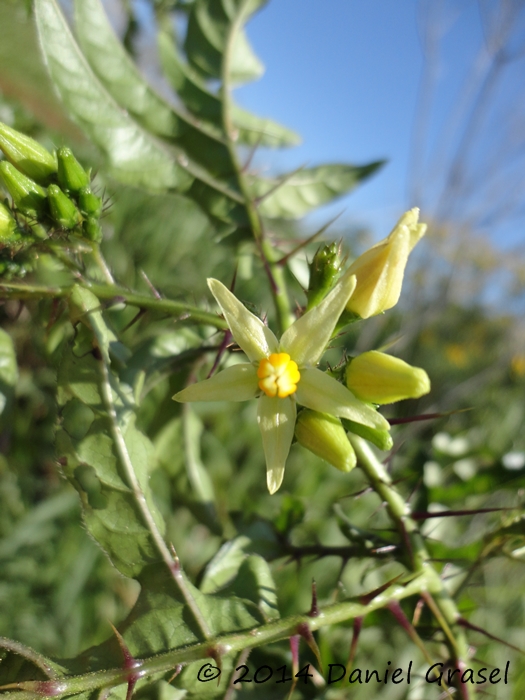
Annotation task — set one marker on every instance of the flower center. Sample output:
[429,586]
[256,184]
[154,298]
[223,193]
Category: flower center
[278,375]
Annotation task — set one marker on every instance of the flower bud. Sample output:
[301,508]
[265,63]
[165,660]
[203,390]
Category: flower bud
[92,230]
[27,196]
[380,378]
[380,270]
[7,225]
[63,210]
[71,175]
[323,434]
[324,273]
[26,154]
[89,203]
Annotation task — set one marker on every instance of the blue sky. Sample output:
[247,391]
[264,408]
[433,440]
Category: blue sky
[346,73]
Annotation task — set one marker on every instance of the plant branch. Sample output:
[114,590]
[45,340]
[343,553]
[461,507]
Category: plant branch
[16,290]
[417,558]
[230,643]
[274,271]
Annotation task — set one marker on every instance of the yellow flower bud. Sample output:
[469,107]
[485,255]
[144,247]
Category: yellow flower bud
[380,270]
[380,378]
[323,434]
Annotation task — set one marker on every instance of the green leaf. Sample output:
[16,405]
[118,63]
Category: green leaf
[298,193]
[117,72]
[191,88]
[235,572]
[209,26]
[134,157]
[8,369]
[105,456]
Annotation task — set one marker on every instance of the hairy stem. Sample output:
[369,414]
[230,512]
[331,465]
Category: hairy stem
[226,644]
[274,271]
[15,290]
[417,558]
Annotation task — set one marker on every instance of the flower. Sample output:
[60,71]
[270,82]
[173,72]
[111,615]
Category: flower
[379,271]
[283,373]
[379,378]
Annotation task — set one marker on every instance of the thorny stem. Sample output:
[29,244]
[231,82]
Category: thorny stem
[171,562]
[417,557]
[274,271]
[226,644]
[14,290]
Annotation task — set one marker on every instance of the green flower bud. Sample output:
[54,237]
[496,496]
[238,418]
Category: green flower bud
[63,210]
[71,175]
[27,155]
[379,438]
[380,378]
[92,230]
[89,203]
[27,196]
[323,434]
[324,269]
[7,225]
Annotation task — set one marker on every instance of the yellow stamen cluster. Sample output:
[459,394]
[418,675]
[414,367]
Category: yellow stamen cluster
[278,375]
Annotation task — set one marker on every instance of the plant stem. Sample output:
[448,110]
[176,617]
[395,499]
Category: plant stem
[15,290]
[274,271]
[226,644]
[417,558]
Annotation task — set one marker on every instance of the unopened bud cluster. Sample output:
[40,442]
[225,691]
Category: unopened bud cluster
[48,192]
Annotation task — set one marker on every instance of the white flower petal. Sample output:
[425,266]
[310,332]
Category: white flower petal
[306,340]
[276,418]
[237,383]
[248,331]
[323,393]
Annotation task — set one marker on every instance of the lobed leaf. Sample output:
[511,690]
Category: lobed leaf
[134,156]
[121,78]
[298,193]
[95,439]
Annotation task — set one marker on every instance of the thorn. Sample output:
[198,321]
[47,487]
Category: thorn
[369,597]
[146,279]
[426,416]
[215,654]
[307,241]
[294,648]
[449,513]
[178,669]
[134,320]
[358,624]
[465,623]
[417,612]
[222,349]
[314,609]
[129,663]
[306,633]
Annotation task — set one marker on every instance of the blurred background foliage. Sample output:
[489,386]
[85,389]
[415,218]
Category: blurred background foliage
[57,590]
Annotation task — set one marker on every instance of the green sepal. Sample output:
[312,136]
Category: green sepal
[89,203]
[92,230]
[28,196]
[27,155]
[325,269]
[379,438]
[63,211]
[71,175]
